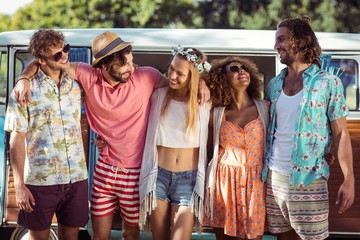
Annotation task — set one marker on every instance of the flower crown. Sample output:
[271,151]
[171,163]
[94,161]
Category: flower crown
[191,57]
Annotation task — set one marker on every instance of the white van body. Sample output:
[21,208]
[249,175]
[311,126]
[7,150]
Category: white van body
[152,47]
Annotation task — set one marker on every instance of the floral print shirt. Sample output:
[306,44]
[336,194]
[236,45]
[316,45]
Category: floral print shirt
[54,146]
[322,102]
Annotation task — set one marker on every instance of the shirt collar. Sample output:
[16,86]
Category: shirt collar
[42,77]
[310,71]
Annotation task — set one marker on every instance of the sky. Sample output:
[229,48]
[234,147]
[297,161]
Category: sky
[10,6]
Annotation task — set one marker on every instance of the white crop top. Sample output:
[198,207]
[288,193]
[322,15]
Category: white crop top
[172,128]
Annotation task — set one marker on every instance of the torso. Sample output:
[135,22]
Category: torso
[178,159]
[239,118]
[292,85]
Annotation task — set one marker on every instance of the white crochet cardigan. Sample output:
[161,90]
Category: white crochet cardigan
[212,167]
[149,166]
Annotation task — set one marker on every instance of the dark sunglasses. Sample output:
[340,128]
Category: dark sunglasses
[57,56]
[236,69]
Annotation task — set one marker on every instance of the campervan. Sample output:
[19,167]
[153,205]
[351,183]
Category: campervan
[152,47]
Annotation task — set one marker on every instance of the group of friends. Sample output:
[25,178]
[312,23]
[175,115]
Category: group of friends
[198,147]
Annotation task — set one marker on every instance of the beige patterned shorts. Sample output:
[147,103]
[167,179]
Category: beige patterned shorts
[304,209]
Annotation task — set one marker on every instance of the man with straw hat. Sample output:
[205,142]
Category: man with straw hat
[117,97]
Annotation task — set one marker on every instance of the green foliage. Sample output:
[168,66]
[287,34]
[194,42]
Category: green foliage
[326,15]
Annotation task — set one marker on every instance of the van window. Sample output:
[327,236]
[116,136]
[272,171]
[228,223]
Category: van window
[349,78]
[22,59]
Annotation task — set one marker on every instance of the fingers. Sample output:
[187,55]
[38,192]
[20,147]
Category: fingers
[99,143]
[345,201]
[201,99]
[27,97]
[24,206]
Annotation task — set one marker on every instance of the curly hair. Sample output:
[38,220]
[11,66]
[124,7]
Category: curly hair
[217,82]
[44,39]
[303,39]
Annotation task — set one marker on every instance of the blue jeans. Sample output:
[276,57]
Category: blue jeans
[175,187]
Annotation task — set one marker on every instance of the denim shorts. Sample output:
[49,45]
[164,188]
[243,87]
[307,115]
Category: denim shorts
[175,187]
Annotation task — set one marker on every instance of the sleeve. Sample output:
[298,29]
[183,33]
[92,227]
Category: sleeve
[337,107]
[152,78]
[86,75]
[16,117]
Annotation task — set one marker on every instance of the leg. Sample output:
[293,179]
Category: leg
[39,235]
[67,233]
[219,233]
[130,232]
[160,220]
[277,195]
[73,211]
[101,227]
[103,201]
[182,222]
[288,235]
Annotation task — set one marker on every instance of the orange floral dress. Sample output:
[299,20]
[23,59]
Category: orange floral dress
[239,198]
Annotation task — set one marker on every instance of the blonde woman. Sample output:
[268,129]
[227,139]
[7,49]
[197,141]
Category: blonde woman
[172,178]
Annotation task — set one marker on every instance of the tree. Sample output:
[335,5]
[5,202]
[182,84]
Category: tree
[327,15]
[4,22]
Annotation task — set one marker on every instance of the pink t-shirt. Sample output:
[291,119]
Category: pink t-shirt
[119,115]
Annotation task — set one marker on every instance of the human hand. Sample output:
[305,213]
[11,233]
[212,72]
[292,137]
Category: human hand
[345,196]
[24,198]
[22,91]
[329,157]
[204,92]
[100,144]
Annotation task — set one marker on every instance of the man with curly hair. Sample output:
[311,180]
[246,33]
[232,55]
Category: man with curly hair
[46,147]
[307,111]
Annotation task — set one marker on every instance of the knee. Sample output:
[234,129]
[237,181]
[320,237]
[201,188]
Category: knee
[132,233]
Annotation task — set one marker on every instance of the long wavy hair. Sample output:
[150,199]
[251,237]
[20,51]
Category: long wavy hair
[217,81]
[303,39]
[194,76]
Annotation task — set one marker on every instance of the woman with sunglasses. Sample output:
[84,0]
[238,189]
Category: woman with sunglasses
[235,198]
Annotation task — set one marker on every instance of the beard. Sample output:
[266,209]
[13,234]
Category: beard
[118,77]
[287,59]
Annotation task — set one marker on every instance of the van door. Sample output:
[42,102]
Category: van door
[347,223]
[3,81]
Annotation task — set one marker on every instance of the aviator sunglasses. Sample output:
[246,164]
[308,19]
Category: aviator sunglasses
[236,69]
[57,56]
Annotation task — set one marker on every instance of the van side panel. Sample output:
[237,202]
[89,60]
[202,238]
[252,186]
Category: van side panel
[348,222]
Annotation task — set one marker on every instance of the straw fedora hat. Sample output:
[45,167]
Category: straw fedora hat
[106,44]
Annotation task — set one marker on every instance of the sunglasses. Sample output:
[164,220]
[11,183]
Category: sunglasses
[57,56]
[236,69]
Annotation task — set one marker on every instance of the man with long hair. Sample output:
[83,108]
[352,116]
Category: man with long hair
[307,111]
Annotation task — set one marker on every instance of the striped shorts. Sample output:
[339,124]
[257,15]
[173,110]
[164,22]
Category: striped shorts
[114,189]
[304,209]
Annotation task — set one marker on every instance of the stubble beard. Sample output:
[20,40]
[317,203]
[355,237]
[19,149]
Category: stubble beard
[118,77]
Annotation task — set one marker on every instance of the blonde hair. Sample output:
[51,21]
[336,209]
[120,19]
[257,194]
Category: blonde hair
[192,93]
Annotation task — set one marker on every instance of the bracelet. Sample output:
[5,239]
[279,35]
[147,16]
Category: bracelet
[22,78]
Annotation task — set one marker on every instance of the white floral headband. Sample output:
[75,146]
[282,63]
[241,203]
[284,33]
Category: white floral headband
[205,66]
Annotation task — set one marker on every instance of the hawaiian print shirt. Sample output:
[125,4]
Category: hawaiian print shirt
[54,146]
[322,102]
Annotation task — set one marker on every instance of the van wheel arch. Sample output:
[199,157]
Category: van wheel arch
[21,233]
